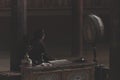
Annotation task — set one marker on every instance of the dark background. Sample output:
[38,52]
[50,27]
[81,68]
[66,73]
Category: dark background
[57,21]
[58,24]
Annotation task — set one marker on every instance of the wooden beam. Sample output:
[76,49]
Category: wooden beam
[77,48]
[19,30]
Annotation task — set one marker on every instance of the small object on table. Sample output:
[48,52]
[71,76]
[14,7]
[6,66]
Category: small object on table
[81,60]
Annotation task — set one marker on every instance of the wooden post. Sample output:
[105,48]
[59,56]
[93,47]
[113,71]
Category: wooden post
[81,27]
[115,41]
[77,28]
[18,29]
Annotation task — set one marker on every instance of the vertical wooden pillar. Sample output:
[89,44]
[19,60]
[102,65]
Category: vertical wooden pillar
[81,26]
[19,15]
[77,27]
[18,29]
[115,41]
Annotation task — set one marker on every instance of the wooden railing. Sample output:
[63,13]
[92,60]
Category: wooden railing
[5,3]
[49,4]
[41,4]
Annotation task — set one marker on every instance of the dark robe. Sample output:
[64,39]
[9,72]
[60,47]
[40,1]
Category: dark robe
[37,53]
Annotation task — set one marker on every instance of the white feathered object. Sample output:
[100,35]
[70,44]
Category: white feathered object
[98,23]
[93,28]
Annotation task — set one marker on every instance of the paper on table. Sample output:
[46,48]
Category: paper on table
[60,62]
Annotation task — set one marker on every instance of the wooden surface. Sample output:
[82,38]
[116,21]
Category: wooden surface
[71,71]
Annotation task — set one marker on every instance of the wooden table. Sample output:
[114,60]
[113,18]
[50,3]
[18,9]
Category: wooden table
[71,71]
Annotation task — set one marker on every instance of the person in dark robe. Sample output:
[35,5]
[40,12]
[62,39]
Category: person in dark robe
[37,49]
[34,47]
